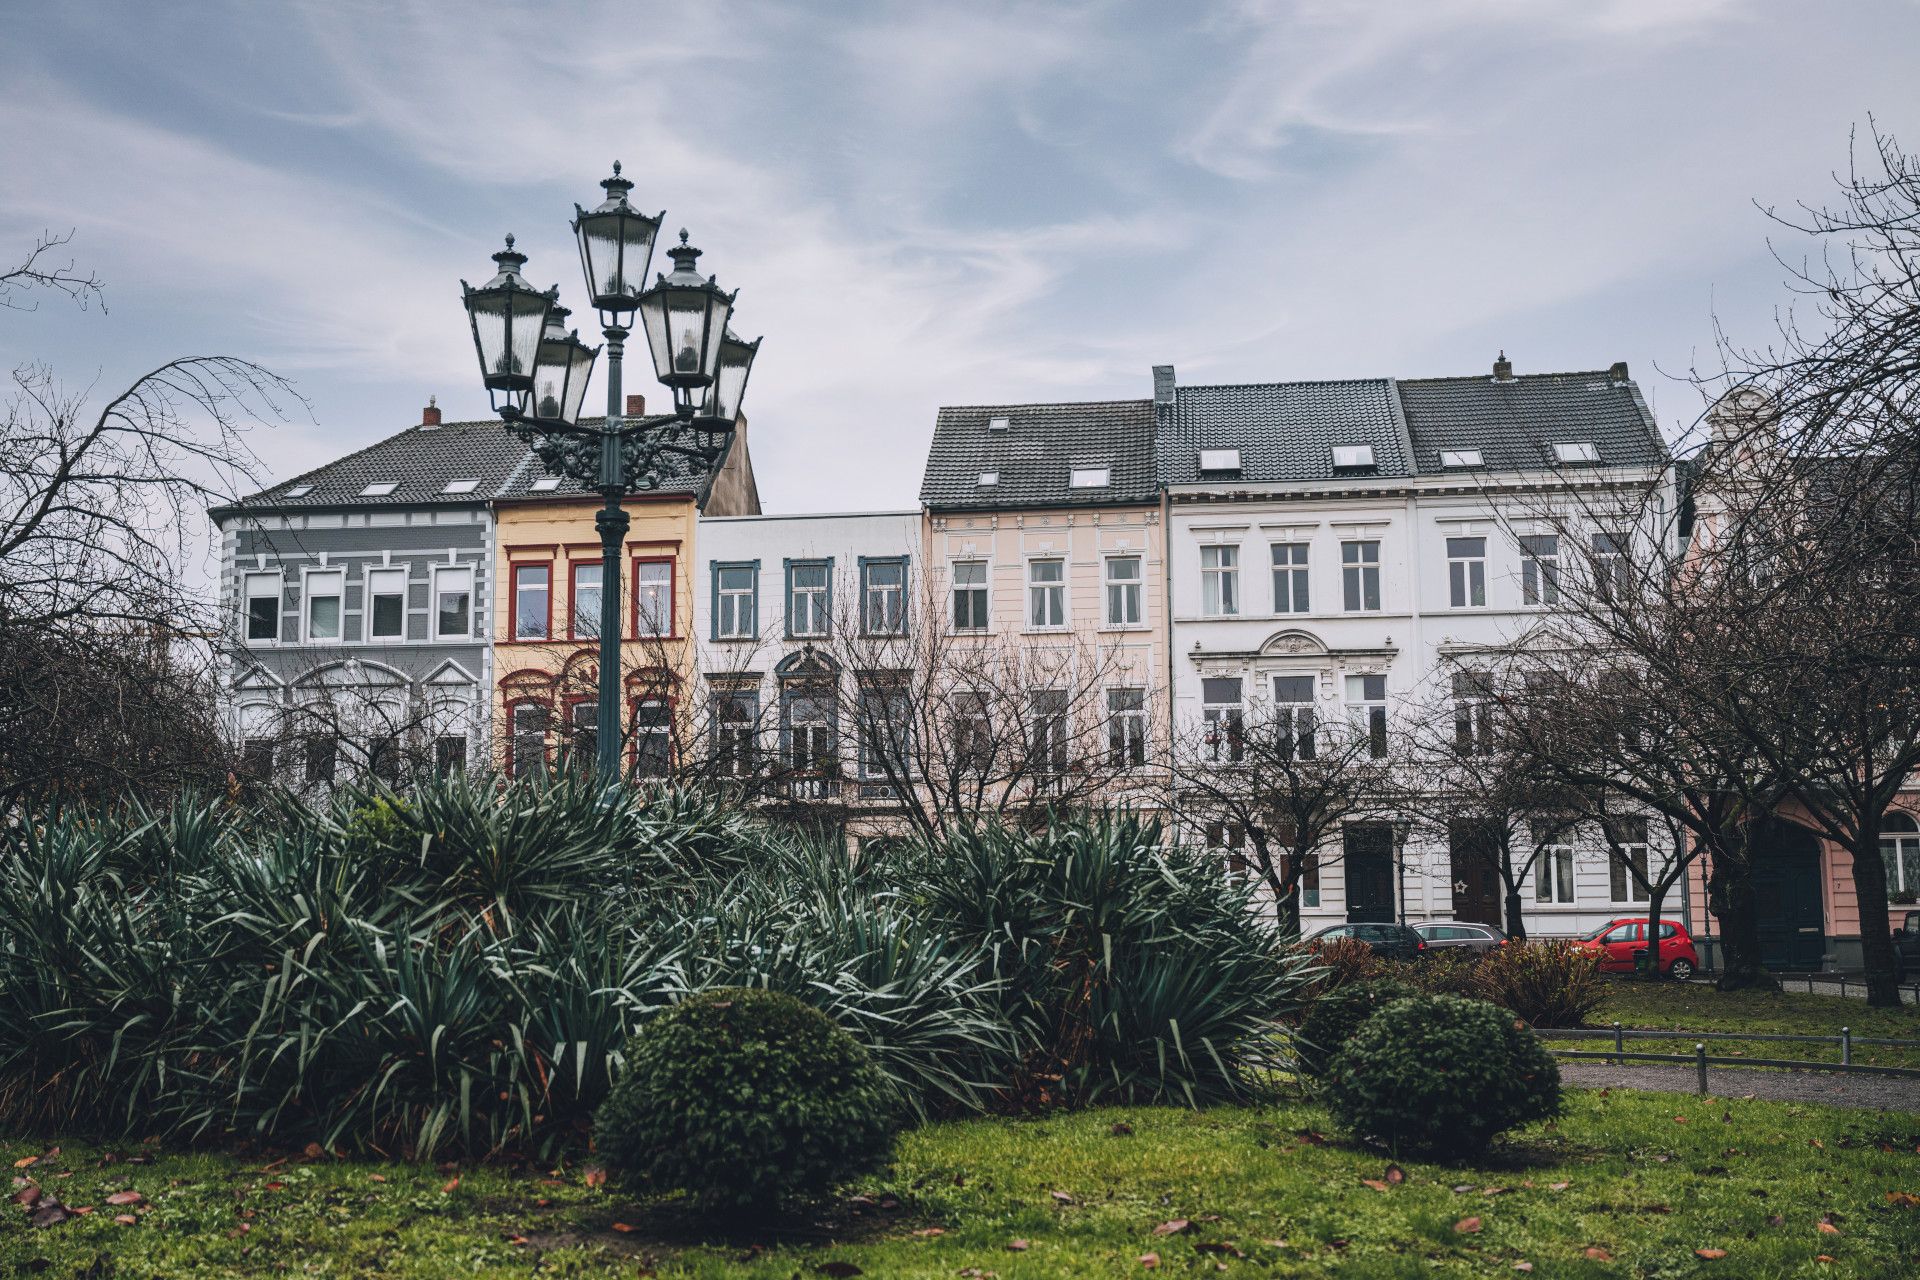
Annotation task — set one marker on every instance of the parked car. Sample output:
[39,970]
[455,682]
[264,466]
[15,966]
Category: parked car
[1906,948]
[1394,941]
[1465,935]
[1618,941]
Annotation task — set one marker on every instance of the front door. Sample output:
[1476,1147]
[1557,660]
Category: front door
[1476,883]
[1786,887]
[1368,856]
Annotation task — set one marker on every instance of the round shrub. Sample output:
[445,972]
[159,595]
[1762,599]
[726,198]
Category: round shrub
[743,1098]
[1442,1075]
[1335,1015]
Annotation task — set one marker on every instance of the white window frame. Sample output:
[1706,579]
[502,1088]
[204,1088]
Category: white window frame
[1297,575]
[1226,720]
[1553,884]
[1358,574]
[1041,593]
[1539,570]
[653,599]
[1368,713]
[1090,478]
[883,605]
[383,573]
[740,602]
[1466,571]
[809,608]
[1618,879]
[1295,718]
[457,572]
[1901,848]
[307,596]
[984,596]
[1220,581]
[1127,727]
[1129,593]
[248,595]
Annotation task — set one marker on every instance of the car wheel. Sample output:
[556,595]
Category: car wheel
[1680,970]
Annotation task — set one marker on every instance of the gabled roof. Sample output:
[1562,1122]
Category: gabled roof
[420,461]
[1284,431]
[1035,454]
[1516,421]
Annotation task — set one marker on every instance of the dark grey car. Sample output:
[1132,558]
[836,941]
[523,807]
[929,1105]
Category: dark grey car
[1446,935]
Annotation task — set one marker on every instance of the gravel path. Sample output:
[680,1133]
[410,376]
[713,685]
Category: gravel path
[1895,1093]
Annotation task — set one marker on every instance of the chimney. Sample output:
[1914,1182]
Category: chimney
[1503,369]
[430,416]
[1617,371]
[636,406]
[1162,385]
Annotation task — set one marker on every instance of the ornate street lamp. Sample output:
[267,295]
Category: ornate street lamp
[536,373]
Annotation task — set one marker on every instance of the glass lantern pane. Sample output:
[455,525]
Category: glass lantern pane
[577,384]
[525,319]
[687,337]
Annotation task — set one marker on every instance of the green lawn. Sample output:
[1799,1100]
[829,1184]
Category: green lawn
[1697,1007]
[1645,1180]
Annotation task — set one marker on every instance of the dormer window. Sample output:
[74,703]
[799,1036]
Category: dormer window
[989,478]
[300,491]
[1219,459]
[461,486]
[1576,451]
[380,489]
[999,424]
[1090,478]
[1461,458]
[1351,457]
[545,484]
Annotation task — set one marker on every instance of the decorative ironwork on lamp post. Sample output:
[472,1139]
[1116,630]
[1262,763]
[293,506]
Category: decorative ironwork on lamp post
[536,371]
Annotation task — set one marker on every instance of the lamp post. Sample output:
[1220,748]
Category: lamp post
[1402,828]
[536,373]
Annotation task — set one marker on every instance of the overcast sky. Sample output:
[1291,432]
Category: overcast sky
[936,203]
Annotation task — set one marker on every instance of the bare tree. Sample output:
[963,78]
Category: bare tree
[41,270]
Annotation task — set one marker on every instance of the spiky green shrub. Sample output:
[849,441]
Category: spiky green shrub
[1550,984]
[1335,1015]
[1441,1075]
[746,1098]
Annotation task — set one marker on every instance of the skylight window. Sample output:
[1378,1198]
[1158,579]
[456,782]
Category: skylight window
[380,489]
[1461,458]
[989,478]
[1090,478]
[300,491]
[1576,451]
[999,424]
[461,486]
[545,484]
[1219,459]
[1352,455]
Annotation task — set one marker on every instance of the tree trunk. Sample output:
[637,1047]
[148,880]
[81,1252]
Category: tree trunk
[1516,923]
[1731,899]
[1290,910]
[1876,939]
[1649,968]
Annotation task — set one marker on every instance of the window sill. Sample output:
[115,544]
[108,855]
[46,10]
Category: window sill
[1046,631]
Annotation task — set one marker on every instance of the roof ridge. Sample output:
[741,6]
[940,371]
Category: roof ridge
[1053,404]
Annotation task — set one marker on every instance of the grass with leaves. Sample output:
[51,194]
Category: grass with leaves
[1623,1185]
[1692,1006]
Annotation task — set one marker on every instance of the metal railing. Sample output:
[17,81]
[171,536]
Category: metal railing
[1701,1060]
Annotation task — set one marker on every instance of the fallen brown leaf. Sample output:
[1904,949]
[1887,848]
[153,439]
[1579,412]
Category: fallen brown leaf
[1679,1119]
[1711,1255]
[27,1197]
[376,1177]
[1467,1225]
[1523,1265]
[1121,1129]
[1823,1257]
[931,1231]
[51,1213]
[625,1228]
[1905,1199]
[1375,1183]
[1826,1228]
[1558,1186]
[125,1197]
[1016,1246]
[1149,1260]
[1061,1197]
[314,1151]
[25,1162]
[1395,1175]
[450,1184]
[125,1219]
[1598,1254]
[595,1178]
[1172,1227]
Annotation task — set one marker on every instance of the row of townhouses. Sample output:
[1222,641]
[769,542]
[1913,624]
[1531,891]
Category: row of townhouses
[1333,550]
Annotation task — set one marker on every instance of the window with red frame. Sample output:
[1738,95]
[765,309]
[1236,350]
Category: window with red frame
[583,613]
[582,733]
[652,736]
[532,602]
[653,598]
[527,738]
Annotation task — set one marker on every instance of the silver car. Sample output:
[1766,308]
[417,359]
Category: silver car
[1449,934]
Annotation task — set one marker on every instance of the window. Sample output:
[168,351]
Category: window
[1229,838]
[461,486]
[380,489]
[653,598]
[1629,849]
[322,758]
[299,491]
[1310,881]
[808,589]
[527,745]
[989,479]
[736,603]
[1219,581]
[1611,569]
[1293,716]
[1539,568]
[532,601]
[1461,458]
[386,604]
[1576,451]
[323,605]
[1553,869]
[1219,459]
[450,753]
[1367,704]
[652,737]
[1225,718]
[263,607]
[1089,477]
[810,749]
[1900,850]
[545,484]
[1290,577]
[1473,713]
[257,723]
[453,602]
[582,744]
[998,424]
[736,737]
[1047,593]
[383,756]
[1127,727]
[973,747]
[1360,576]
[1047,730]
[883,596]
[1352,456]
[583,610]
[1467,572]
[886,733]
[1123,591]
[970,595]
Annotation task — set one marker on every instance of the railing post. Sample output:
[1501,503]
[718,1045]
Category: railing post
[1700,1061]
[1617,1044]
[1846,1046]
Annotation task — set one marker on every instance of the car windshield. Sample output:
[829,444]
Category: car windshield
[1591,934]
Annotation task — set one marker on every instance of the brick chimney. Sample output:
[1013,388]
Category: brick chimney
[430,416]
[1617,372]
[636,406]
[1503,369]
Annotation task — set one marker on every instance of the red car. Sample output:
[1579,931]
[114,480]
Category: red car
[1619,941]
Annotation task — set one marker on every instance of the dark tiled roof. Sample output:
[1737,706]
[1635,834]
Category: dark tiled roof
[422,460]
[1035,455]
[1283,430]
[677,475]
[1515,423]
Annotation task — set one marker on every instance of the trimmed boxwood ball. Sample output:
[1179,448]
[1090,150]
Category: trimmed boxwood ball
[744,1098]
[1441,1075]
[1335,1015]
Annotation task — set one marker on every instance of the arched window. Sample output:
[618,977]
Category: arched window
[1900,847]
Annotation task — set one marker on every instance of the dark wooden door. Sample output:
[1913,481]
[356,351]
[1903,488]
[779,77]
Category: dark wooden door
[1786,887]
[1368,858]
[1476,884]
